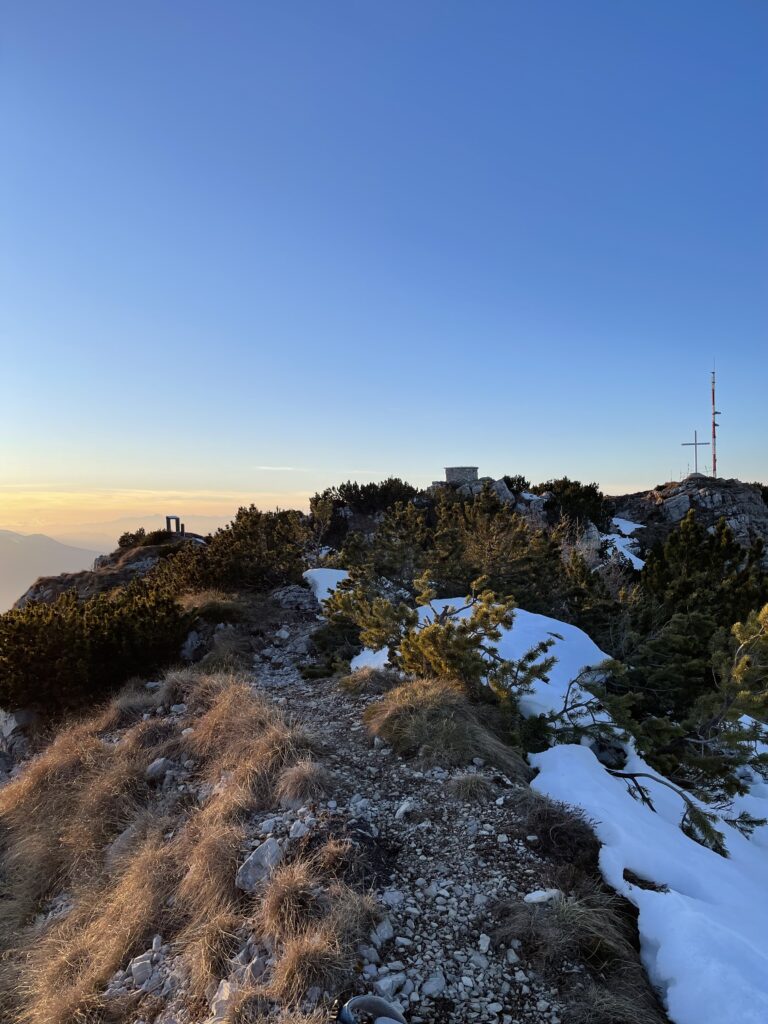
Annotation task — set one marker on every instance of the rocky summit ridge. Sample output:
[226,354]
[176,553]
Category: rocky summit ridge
[661,509]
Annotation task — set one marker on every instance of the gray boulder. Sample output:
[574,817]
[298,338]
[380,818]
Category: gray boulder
[259,865]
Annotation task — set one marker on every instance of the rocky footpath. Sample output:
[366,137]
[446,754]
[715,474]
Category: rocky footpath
[438,865]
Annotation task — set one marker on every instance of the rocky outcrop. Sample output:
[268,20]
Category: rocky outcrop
[109,572]
[532,506]
[661,509]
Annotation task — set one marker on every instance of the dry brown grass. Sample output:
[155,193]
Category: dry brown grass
[370,680]
[335,857]
[58,815]
[252,1006]
[319,931]
[352,913]
[626,999]
[564,833]
[591,925]
[214,606]
[72,961]
[316,957]
[293,899]
[470,789]
[303,783]
[169,875]
[207,945]
[433,718]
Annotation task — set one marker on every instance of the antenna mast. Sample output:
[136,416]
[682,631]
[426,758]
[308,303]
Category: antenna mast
[715,424]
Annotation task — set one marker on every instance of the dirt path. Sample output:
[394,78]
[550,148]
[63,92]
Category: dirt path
[446,862]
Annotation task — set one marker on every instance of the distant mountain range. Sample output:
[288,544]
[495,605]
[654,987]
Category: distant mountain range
[25,557]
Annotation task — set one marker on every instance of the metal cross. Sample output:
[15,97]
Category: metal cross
[695,444]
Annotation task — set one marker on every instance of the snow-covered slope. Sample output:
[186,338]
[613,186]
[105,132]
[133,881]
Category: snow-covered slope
[623,542]
[704,940]
[704,936]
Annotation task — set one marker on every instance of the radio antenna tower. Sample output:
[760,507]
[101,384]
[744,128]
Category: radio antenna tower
[715,425]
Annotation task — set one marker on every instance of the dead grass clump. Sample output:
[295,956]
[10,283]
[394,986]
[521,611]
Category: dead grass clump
[73,799]
[315,958]
[234,716]
[102,809]
[335,857]
[208,945]
[565,834]
[370,680]
[210,851]
[213,606]
[293,899]
[470,789]
[231,653]
[251,1006]
[123,710]
[160,736]
[303,783]
[182,684]
[320,953]
[591,925]
[352,913]
[72,961]
[626,999]
[82,820]
[433,718]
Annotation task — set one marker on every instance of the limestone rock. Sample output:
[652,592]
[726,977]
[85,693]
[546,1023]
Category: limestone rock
[158,768]
[259,865]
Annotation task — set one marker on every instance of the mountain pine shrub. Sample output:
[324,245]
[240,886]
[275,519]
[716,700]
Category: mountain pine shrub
[576,503]
[65,654]
[256,551]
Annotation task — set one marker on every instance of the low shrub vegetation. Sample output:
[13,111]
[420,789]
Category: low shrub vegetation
[61,655]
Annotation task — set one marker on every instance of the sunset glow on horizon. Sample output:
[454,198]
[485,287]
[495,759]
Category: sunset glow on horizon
[244,260]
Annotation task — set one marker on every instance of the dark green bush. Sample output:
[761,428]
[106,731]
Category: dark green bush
[256,551]
[61,655]
[368,498]
[131,539]
[517,483]
[576,502]
[140,538]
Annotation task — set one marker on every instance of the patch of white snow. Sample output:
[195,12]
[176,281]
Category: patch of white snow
[324,581]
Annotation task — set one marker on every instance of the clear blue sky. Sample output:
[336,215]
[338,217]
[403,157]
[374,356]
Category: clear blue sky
[356,239]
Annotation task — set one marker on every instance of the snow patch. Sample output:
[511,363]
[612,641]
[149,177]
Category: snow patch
[703,941]
[626,526]
[625,546]
[323,582]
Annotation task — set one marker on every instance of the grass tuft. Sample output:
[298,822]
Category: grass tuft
[564,833]
[214,606]
[626,999]
[303,783]
[433,719]
[369,680]
[292,901]
[470,788]
[318,957]
[591,925]
[133,858]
